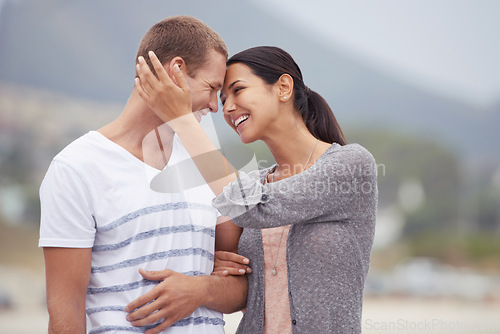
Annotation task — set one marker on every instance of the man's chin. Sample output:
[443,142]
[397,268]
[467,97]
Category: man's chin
[197,116]
[200,113]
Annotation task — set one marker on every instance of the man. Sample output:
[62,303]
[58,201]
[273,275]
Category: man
[101,222]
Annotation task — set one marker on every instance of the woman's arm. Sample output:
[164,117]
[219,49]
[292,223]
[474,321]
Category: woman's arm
[171,102]
[341,185]
[336,190]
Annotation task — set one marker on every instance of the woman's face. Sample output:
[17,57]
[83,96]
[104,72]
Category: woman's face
[250,104]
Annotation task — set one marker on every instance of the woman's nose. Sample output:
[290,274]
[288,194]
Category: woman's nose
[228,107]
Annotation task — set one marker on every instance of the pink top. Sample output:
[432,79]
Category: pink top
[277,306]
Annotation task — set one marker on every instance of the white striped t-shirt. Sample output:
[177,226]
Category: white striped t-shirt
[96,194]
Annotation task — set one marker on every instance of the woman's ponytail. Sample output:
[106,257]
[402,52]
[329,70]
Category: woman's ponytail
[320,120]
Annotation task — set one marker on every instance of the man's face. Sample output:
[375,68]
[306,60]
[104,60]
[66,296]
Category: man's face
[205,84]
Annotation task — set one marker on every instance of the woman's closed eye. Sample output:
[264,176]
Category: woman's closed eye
[235,92]
[237,89]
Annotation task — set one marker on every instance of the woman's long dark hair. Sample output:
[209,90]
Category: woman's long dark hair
[269,63]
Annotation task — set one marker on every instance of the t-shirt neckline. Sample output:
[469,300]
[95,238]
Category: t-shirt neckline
[132,157]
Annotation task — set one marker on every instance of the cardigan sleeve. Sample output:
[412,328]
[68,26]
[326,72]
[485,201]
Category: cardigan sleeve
[340,185]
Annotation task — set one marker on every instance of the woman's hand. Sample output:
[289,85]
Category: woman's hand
[228,263]
[169,98]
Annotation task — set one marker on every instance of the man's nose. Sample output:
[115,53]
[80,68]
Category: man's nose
[213,104]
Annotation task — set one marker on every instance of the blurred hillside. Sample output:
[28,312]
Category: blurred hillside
[424,189]
[86,49]
[34,126]
[67,67]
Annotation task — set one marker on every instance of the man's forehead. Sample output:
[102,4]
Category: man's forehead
[213,73]
[211,78]
[216,83]
[219,82]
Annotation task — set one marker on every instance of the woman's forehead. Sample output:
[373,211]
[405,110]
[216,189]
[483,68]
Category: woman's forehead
[236,72]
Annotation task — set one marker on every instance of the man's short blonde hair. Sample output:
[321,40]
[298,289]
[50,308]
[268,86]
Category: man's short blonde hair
[182,36]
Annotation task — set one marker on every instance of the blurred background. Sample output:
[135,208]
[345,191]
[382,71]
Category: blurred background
[415,82]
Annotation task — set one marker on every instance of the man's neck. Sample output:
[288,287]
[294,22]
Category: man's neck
[142,133]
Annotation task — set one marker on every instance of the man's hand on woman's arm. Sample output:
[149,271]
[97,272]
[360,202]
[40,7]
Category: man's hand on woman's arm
[178,295]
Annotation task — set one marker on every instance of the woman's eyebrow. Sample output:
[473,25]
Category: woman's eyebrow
[235,82]
[222,95]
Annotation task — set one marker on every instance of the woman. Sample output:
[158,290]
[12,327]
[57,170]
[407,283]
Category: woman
[308,221]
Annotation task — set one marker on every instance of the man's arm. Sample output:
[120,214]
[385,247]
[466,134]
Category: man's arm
[67,273]
[228,294]
[227,261]
[178,295]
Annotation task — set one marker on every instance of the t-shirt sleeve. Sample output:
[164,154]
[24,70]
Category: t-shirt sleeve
[341,187]
[66,213]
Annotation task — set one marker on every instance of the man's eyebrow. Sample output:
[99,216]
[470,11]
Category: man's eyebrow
[215,85]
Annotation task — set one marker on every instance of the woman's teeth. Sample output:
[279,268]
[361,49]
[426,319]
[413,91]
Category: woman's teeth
[240,119]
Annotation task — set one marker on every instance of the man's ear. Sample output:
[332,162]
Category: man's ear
[285,87]
[170,67]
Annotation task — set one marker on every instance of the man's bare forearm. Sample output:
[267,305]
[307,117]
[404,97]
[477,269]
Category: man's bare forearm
[226,294]
[66,321]
[67,277]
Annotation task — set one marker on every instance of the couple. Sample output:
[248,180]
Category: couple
[122,258]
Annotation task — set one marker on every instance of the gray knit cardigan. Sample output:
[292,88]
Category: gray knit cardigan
[331,207]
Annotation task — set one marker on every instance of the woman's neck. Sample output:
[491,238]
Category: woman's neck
[293,151]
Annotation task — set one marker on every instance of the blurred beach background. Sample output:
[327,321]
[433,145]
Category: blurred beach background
[415,82]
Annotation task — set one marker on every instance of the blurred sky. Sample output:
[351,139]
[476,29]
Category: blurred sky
[448,46]
[451,46]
